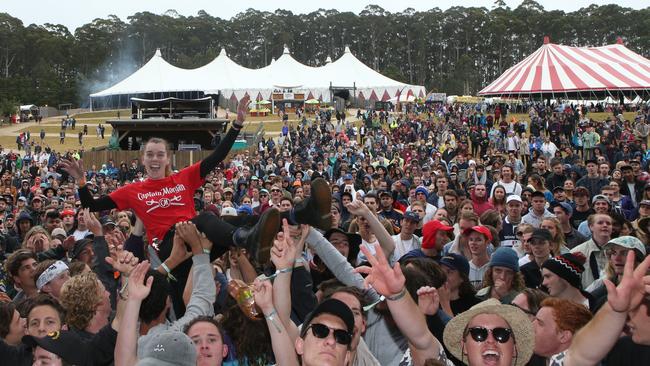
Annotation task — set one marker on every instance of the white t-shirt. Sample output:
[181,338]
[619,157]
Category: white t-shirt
[404,246]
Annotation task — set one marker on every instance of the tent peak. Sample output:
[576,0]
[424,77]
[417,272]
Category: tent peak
[547,39]
[272,60]
[158,53]
[328,60]
[223,52]
[347,49]
[286,51]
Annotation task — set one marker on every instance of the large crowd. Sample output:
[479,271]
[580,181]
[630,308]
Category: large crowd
[441,234]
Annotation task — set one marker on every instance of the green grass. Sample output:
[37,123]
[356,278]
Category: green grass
[103,114]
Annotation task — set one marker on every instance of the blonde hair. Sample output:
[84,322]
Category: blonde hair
[80,299]
[36,230]
[558,239]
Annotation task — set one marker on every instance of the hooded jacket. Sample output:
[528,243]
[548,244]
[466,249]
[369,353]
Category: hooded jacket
[481,204]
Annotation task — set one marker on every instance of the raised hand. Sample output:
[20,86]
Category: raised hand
[263,293]
[190,235]
[123,261]
[92,223]
[358,208]
[73,167]
[428,300]
[179,251]
[139,288]
[385,280]
[632,288]
[242,110]
[283,252]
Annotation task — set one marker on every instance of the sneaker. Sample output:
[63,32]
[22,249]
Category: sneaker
[317,209]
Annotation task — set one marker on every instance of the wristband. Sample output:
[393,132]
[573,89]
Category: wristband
[284,270]
[124,289]
[271,318]
[206,251]
[398,296]
[169,272]
[300,260]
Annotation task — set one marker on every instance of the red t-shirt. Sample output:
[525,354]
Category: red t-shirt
[163,202]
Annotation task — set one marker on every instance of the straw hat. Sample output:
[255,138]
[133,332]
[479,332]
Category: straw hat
[522,329]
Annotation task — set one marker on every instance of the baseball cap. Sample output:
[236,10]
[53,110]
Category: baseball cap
[347,177]
[22,198]
[456,262]
[245,209]
[264,190]
[565,206]
[228,189]
[600,197]
[644,203]
[513,197]
[79,246]
[541,234]
[228,211]
[558,188]
[59,232]
[334,307]
[410,215]
[384,193]
[107,221]
[479,229]
[167,348]
[429,231]
[629,242]
[63,343]
[65,213]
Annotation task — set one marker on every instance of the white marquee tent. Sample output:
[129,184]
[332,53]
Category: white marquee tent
[234,81]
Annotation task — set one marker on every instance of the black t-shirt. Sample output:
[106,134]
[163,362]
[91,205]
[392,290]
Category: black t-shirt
[579,217]
[626,352]
[463,304]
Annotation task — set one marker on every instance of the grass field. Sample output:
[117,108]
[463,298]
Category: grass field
[271,124]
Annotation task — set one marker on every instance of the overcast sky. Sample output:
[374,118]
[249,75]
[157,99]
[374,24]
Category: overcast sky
[73,13]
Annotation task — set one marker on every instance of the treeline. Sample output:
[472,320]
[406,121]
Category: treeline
[458,51]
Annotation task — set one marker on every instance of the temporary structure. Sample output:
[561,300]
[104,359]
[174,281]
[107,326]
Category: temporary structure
[563,71]
[233,81]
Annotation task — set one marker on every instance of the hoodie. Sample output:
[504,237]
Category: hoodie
[481,204]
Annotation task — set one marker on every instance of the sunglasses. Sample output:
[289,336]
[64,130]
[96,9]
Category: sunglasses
[275,190]
[323,331]
[480,334]
[519,233]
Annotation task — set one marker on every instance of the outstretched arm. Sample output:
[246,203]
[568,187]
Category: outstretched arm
[391,283]
[596,339]
[383,237]
[76,171]
[283,256]
[283,349]
[126,345]
[221,151]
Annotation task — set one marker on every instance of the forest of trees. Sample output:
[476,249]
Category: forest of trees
[459,50]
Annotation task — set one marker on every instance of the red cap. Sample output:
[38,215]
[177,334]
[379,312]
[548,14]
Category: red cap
[65,213]
[481,230]
[429,231]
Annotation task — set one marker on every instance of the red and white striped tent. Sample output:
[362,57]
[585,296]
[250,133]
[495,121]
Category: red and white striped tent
[562,70]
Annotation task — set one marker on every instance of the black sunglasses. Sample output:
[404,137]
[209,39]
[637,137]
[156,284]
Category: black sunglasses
[322,331]
[480,334]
